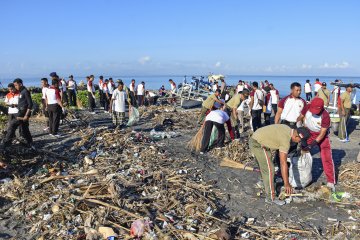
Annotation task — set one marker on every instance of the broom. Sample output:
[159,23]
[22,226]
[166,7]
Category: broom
[195,142]
[226,162]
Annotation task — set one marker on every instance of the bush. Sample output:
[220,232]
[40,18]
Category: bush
[82,98]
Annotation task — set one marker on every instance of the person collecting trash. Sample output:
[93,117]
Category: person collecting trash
[208,104]
[117,105]
[232,106]
[275,137]
[317,120]
[216,118]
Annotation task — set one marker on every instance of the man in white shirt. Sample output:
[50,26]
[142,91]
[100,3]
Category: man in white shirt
[141,93]
[317,86]
[64,95]
[44,88]
[54,107]
[132,94]
[274,97]
[240,86]
[256,105]
[101,93]
[216,118]
[173,91]
[307,89]
[117,105]
[12,100]
[91,94]
[71,89]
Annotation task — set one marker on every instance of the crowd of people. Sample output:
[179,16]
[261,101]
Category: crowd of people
[295,121]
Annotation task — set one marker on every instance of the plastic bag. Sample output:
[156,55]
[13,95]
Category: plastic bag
[133,117]
[214,136]
[300,170]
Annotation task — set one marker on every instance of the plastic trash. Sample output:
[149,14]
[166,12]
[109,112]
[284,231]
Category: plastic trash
[300,170]
[339,196]
[138,227]
[106,232]
[162,135]
[133,117]
[214,136]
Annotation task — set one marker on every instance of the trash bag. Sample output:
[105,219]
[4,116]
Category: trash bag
[214,136]
[300,169]
[133,117]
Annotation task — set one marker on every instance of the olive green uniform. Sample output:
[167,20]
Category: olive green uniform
[346,99]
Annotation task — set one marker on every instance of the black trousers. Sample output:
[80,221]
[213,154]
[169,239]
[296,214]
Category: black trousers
[91,102]
[44,111]
[207,134]
[308,96]
[267,118]
[65,98]
[72,97]
[106,102]
[54,118]
[256,119]
[274,107]
[102,102]
[23,129]
[133,99]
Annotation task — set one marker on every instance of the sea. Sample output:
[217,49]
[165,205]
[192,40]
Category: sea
[282,83]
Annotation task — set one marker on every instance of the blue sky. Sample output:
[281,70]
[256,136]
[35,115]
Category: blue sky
[140,37]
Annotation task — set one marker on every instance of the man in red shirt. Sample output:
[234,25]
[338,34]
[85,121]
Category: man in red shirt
[317,120]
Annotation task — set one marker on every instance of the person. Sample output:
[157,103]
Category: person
[132,92]
[267,106]
[317,86]
[232,105]
[162,91]
[173,91]
[215,86]
[150,98]
[290,107]
[140,90]
[117,105]
[344,112]
[270,138]
[71,88]
[266,86]
[317,120]
[24,107]
[63,90]
[216,118]
[106,96]
[12,100]
[111,86]
[208,105]
[240,86]
[275,98]
[101,93]
[91,94]
[324,94]
[336,94]
[307,90]
[44,88]
[54,107]
[256,105]
[223,88]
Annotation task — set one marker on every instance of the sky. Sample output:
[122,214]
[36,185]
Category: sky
[177,37]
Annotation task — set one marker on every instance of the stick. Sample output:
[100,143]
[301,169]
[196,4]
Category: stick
[113,207]
[49,179]
[226,162]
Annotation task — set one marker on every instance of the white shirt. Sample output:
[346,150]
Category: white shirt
[52,95]
[101,82]
[11,99]
[140,89]
[131,87]
[258,95]
[239,88]
[312,122]
[119,100]
[274,96]
[71,84]
[173,88]
[317,86]
[110,88]
[43,90]
[307,88]
[63,85]
[151,94]
[214,87]
[90,88]
[218,116]
[292,108]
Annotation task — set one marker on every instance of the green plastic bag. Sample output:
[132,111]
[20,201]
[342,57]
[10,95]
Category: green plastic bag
[133,117]
[214,136]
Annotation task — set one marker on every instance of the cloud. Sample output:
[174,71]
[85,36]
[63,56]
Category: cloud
[144,60]
[217,64]
[341,65]
[306,66]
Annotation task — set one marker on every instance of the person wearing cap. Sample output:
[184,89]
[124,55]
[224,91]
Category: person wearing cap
[344,112]
[317,120]
[71,88]
[232,106]
[270,138]
[216,118]
[208,105]
[317,86]
[54,107]
[324,94]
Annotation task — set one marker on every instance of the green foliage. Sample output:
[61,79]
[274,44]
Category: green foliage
[3,121]
[82,98]
[36,97]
